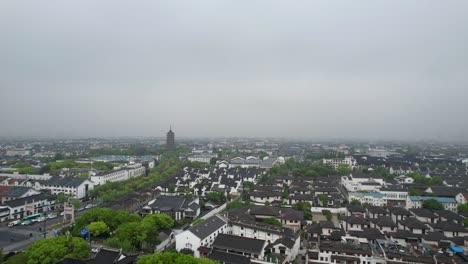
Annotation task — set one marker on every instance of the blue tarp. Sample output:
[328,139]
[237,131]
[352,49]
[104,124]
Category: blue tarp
[456,249]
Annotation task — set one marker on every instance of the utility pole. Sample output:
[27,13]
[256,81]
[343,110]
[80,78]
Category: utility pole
[45,226]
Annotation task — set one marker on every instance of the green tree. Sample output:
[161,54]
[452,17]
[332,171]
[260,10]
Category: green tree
[344,169]
[272,221]
[465,222]
[52,250]
[173,258]
[213,161]
[306,207]
[432,204]
[216,197]
[98,229]
[75,203]
[414,192]
[324,199]
[327,214]
[462,208]
[355,202]
[238,204]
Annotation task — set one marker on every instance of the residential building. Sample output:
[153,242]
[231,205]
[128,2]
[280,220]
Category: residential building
[175,206]
[348,161]
[199,238]
[417,202]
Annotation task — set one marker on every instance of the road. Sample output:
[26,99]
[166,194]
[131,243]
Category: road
[18,238]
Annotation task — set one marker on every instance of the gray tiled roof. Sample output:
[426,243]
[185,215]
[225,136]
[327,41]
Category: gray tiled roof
[237,243]
[207,227]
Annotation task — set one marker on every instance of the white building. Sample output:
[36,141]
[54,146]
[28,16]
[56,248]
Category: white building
[17,152]
[349,161]
[372,198]
[202,157]
[133,170]
[417,201]
[201,236]
[76,187]
[356,182]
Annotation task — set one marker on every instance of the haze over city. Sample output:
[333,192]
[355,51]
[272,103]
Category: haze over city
[309,69]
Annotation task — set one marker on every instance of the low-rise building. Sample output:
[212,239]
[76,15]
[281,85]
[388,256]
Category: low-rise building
[449,203]
[199,238]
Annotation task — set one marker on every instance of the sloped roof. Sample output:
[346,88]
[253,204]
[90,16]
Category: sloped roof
[237,243]
[207,227]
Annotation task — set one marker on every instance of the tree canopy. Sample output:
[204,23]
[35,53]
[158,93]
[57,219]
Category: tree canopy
[173,258]
[355,202]
[52,250]
[432,204]
[305,207]
[272,221]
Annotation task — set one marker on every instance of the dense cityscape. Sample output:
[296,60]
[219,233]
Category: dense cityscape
[234,132]
[232,200]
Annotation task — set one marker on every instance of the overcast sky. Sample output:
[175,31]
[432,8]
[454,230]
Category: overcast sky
[314,69]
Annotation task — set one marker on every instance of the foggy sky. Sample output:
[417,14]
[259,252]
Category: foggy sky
[310,69]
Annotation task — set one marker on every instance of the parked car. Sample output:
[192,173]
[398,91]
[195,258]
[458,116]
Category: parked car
[14,223]
[88,206]
[41,219]
[62,213]
[27,222]
[52,216]
[80,209]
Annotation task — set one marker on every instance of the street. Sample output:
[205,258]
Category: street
[18,238]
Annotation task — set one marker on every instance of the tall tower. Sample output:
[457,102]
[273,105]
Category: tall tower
[170,140]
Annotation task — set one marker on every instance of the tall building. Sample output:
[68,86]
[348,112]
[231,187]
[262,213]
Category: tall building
[170,140]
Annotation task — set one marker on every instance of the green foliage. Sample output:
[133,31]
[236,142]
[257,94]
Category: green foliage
[432,204]
[111,218]
[52,250]
[61,198]
[272,221]
[216,197]
[199,220]
[101,165]
[355,202]
[125,245]
[326,155]
[27,170]
[324,199]
[327,214]
[302,169]
[19,258]
[173,258]
[238,204]
[75,203]
[249,186]
[195,164]
[414,192]
[383,172]
[98,229]
[263,154]
[126,227]
[420,179]
[306,207]
[112,191]
[213,161]
[465,222]
[344,169]
[462,208]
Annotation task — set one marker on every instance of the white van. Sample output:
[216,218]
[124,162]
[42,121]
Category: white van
[17,222]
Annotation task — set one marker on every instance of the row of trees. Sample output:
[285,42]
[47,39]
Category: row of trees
[421,179]
[112,191]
